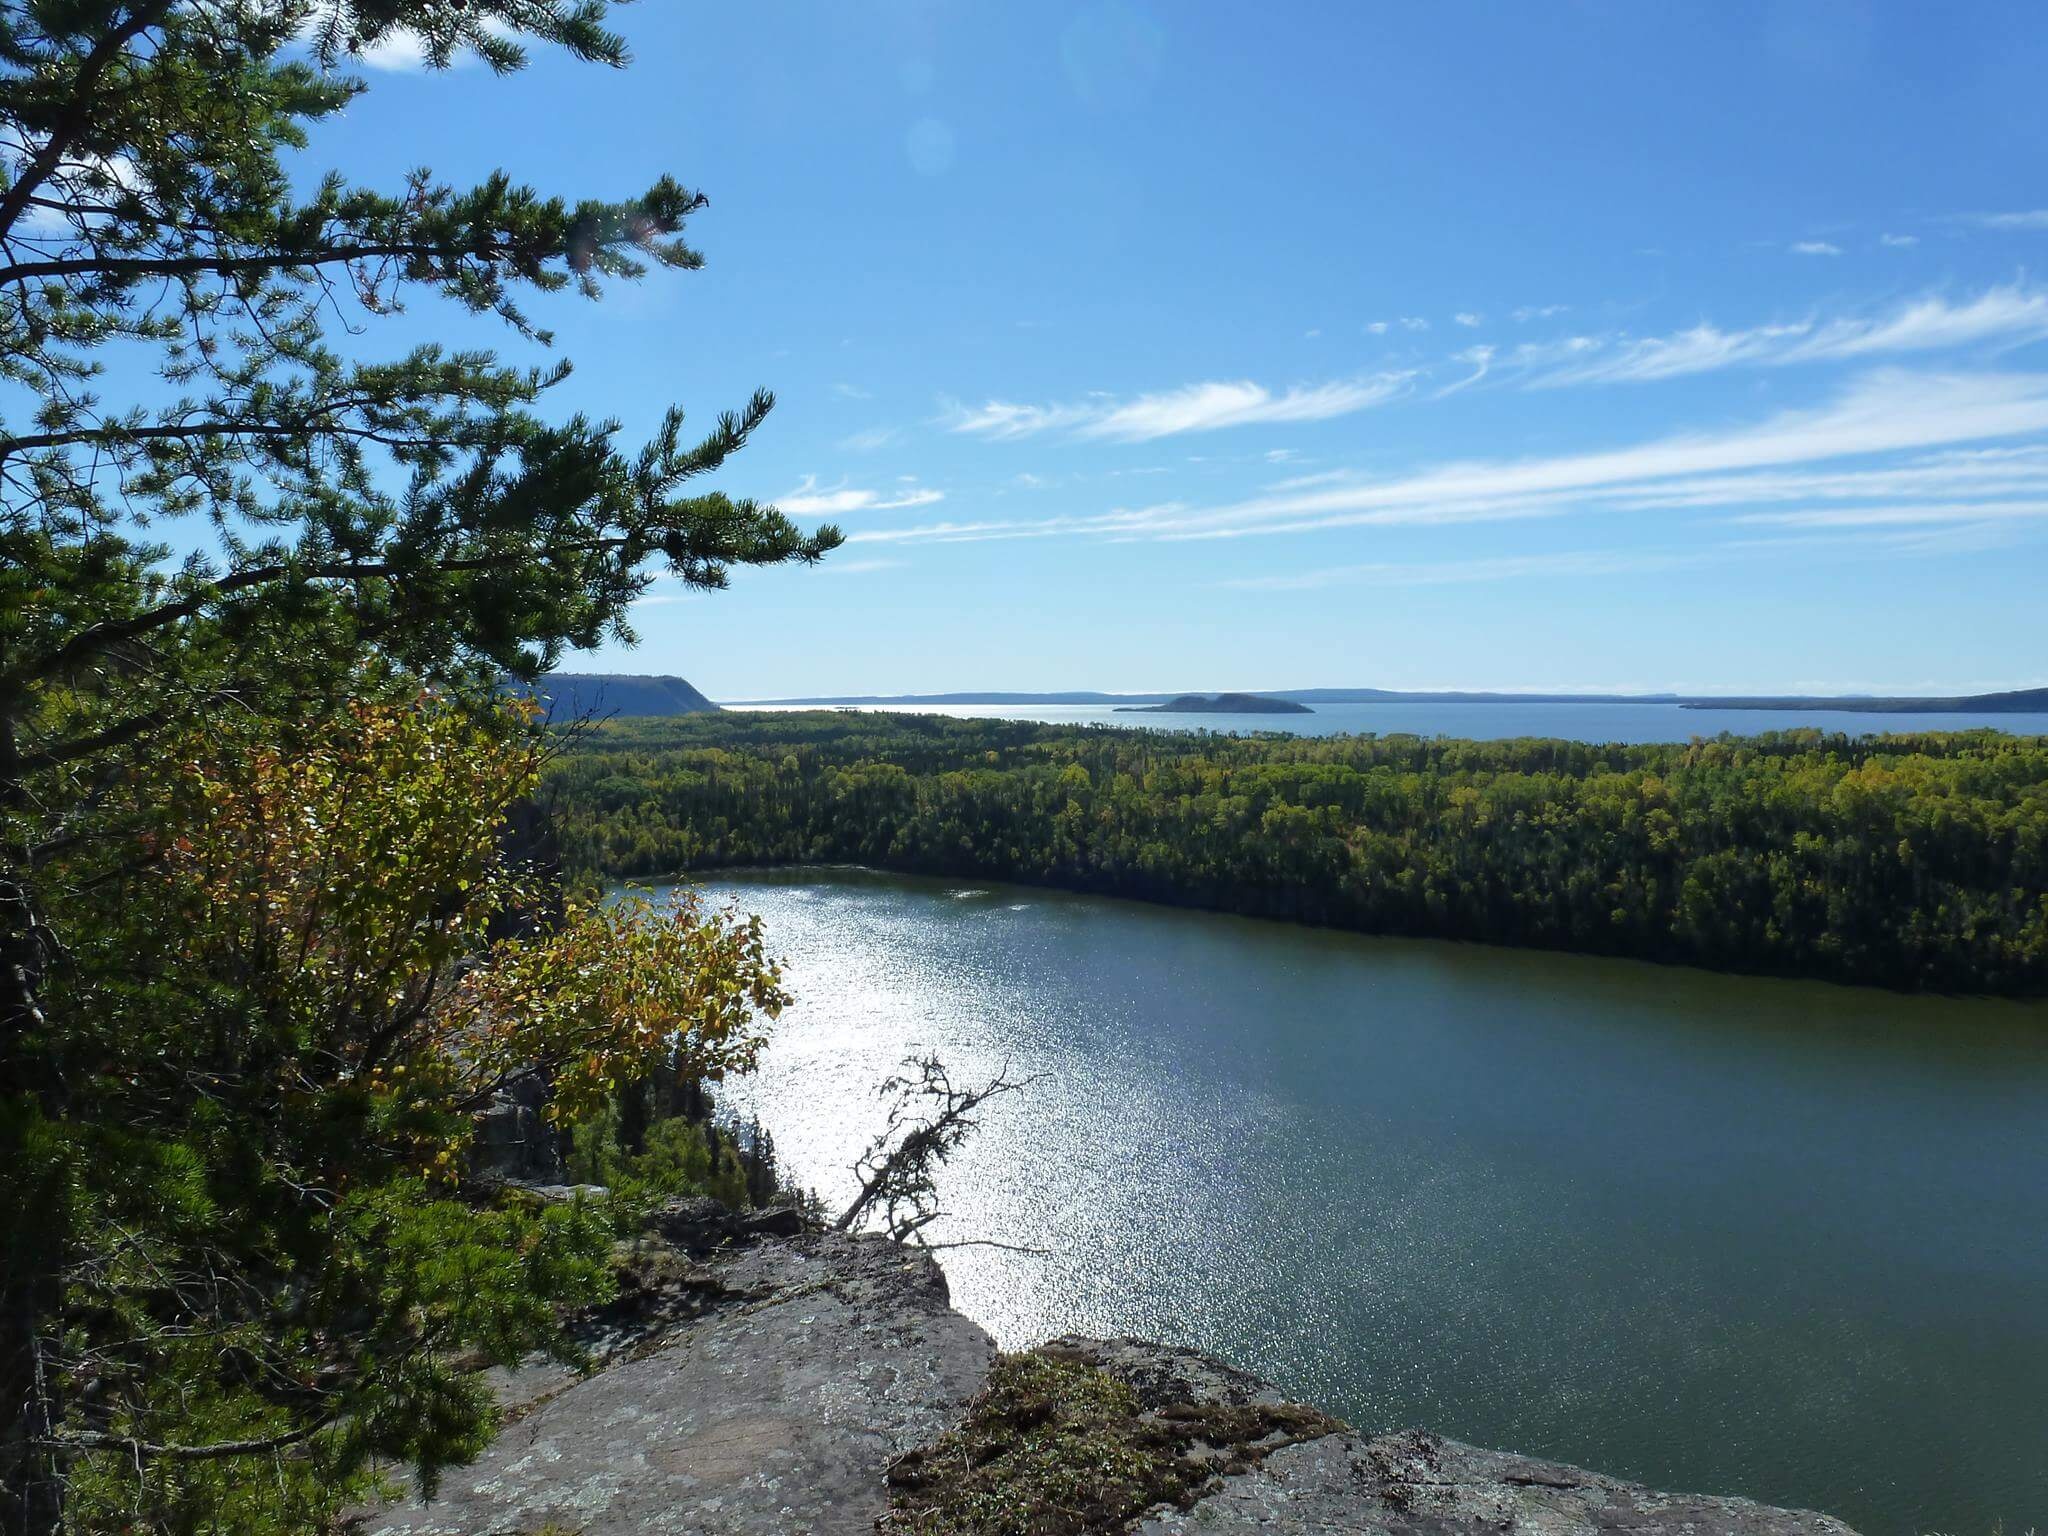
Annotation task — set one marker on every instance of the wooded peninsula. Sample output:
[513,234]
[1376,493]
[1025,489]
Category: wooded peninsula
[1914,862]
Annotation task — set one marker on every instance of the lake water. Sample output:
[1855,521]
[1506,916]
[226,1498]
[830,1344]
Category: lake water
[1741,1236]
[1490,722]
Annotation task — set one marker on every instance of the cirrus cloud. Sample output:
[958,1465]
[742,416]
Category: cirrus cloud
[2008,315]
[813,500]
[1205,407]
[1888,414]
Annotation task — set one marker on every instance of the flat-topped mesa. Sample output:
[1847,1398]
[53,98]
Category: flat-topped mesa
[760,1377]
[568,697]
[1218,704]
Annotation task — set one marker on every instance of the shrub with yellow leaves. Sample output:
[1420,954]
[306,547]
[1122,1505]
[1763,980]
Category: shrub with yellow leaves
[293,988]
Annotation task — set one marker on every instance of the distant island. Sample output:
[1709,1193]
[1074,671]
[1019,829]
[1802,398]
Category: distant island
[2021,701]
[1219,704]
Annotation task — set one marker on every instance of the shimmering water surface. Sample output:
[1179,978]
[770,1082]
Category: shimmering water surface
[1628,722]
[1779,1239]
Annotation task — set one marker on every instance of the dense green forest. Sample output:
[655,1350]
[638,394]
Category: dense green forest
[1908,861]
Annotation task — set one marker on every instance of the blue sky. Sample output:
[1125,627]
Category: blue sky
[1197,345]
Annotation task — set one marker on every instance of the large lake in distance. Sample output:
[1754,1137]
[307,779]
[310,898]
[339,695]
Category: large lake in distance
[1781,1239]
[1628,722]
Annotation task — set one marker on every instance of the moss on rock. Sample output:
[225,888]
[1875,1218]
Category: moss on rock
[1059,1446]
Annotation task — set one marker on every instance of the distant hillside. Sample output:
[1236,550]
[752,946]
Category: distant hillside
[1221,704]
[574,695]
[843,700]
[2021,701]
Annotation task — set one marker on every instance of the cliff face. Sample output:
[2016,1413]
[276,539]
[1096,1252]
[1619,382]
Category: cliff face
[570,696]
[757,1377]
[750,1383]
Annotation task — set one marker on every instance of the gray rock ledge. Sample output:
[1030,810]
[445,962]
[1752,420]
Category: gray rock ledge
[1413,1483]
[756,1380]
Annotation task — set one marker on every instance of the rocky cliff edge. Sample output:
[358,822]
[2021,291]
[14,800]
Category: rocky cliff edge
[758,1377]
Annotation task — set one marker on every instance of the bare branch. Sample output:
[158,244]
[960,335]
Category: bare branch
[927,1124]
[986,1242]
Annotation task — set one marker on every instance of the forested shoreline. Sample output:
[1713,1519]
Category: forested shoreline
[1913,862]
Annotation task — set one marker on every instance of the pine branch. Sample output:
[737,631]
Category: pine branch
[77,1443]
[78,111]
[134,268]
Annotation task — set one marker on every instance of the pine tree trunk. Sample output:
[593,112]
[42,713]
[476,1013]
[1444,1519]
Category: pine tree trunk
[633,1118]
[31,1279]
[31,1283]
[32,1492]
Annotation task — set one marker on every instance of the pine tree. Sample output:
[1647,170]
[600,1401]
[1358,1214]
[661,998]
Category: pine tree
[764,1175]
[209,513]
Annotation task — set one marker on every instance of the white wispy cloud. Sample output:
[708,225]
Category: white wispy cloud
[1538,357]
[1002,419]
[666,592]
[1468,319]
[1834,540]
[401,48]
[866,567]
[1888,412]
[1530,312]
[2008,315]
[1898,242]
[1814,248]
[1698,350]
[87,179]
[1480,359]
[869,439]
[1430,573]
[983,530]
[1972,472]
[1413,323]
[813,500]
[852,392]
[2029,218]
[1891,412]
[1193,408]
[1906,514]
[1206,407]
[1376,327]
[1319,477]
[397,49]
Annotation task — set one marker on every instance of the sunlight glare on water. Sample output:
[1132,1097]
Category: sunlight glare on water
[1778,1239]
